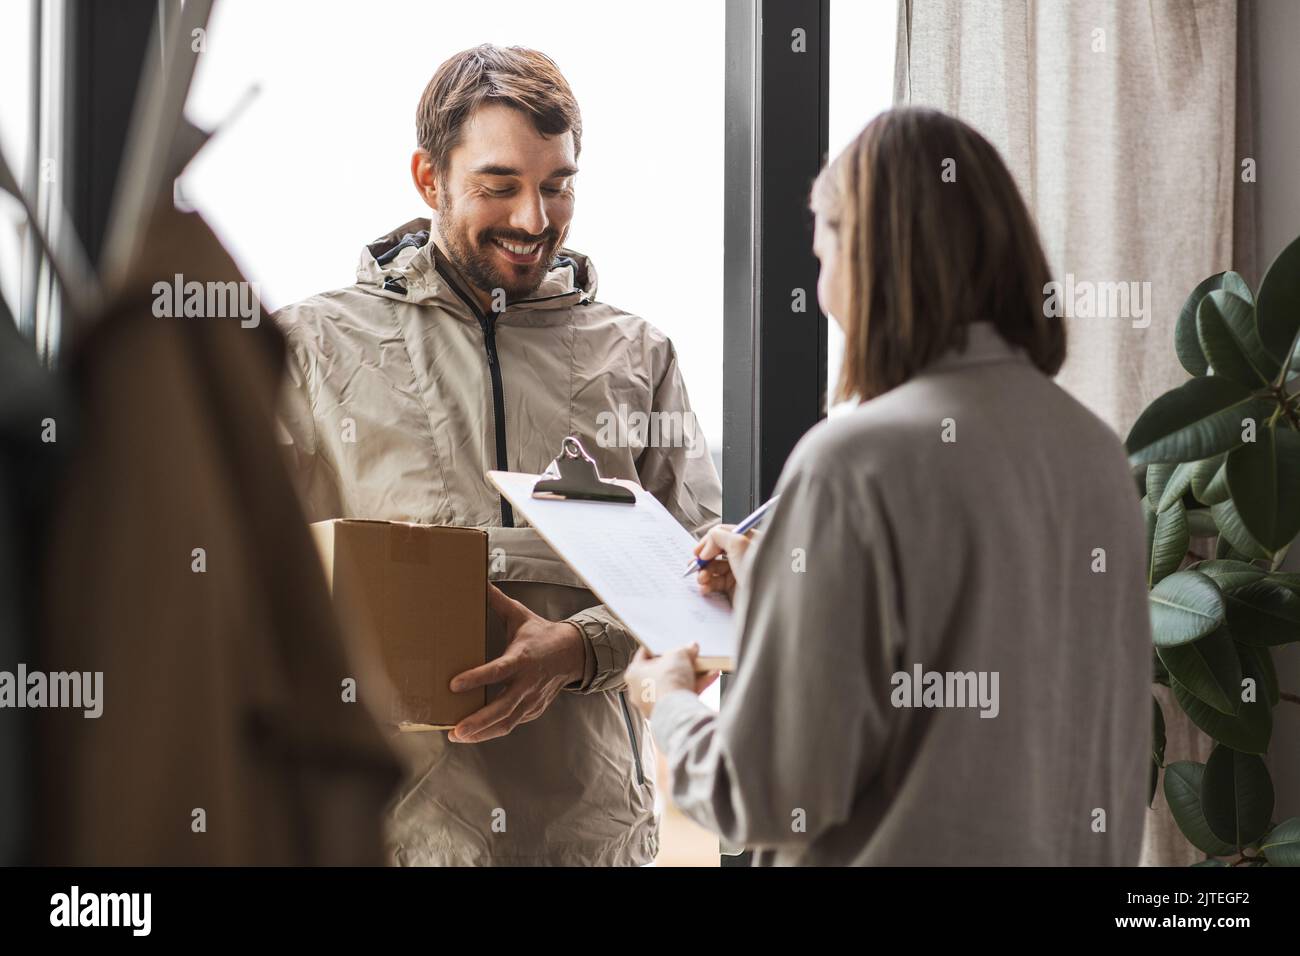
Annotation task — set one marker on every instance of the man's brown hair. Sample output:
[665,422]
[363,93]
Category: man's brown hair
[515,76]
[932,235]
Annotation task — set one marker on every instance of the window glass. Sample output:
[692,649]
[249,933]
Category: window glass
[318,163]
[863,36]
[15,138]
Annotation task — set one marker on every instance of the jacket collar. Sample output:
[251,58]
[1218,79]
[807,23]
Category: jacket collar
[983,344]
[407,265]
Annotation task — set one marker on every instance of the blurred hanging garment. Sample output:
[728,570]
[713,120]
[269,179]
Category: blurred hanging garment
[34,415]
[180,569]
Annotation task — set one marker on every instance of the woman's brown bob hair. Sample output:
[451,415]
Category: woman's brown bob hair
[932,235]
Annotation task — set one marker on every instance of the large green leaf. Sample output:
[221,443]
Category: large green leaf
[1263,613]
[1176,485]
[1157,748]
[1257,664]
[1158,673]
[1230,574]
[1200,418]
[1278,305]
[1157,478]
[1210,668]
[1234,283]
[1169,541]
[1185,607]
[1149,521]
[1233,530]
[1200,523]
[1183,794]
[1213,487]
[1186,342]
[1286,579]
[1225,324]
[1249,731]
[1158,738]
[1282,846]
[1202,472]
[1264,481]
[1236,796]
[1226,552]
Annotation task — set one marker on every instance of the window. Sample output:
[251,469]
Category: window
[317,164]
[863,36]
[16,62]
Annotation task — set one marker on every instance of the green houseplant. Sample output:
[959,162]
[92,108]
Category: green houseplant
[1219,457]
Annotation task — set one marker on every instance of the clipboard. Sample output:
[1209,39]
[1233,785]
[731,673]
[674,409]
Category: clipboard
[628,550]
[573,476]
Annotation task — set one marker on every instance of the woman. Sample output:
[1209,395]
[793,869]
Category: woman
[944,645]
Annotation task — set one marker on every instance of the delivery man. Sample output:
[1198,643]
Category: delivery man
[474,341]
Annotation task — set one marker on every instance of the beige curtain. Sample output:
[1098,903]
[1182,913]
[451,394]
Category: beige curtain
[1120,122]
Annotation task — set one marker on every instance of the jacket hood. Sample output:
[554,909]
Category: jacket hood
[406,265]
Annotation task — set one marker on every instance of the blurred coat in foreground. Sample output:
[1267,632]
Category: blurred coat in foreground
[222,689]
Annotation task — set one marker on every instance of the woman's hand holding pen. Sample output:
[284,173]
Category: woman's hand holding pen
[648,677]
[725,552]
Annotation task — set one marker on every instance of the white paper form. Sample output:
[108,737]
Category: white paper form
[632,557]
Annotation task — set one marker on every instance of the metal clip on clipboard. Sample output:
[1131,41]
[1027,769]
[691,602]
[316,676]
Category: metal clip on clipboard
[573,475]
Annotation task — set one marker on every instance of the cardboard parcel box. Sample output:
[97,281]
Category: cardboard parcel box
[417,594]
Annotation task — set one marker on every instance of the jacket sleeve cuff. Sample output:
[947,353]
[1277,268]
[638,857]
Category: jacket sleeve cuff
[609,649]
[588,663]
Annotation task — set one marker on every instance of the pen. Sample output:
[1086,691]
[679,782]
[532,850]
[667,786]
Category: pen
[698,564]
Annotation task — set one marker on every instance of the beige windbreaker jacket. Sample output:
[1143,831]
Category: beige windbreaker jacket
[403,394]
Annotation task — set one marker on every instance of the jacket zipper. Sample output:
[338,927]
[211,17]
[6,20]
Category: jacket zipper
[488,327]
[631,736]
[548,298]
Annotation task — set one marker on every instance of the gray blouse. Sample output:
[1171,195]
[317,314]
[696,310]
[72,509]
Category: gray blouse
[945,649]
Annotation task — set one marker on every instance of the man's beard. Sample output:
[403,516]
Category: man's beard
[480,265]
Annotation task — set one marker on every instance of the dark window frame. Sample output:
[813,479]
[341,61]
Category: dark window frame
[774,358]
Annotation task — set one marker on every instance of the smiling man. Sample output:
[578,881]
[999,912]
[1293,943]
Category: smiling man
[475,341]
